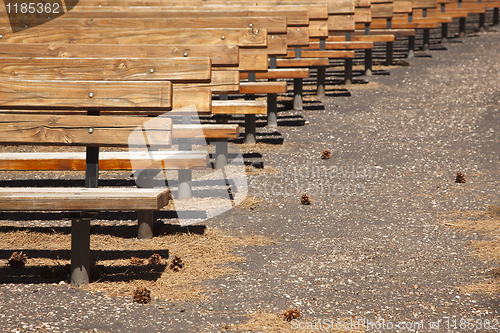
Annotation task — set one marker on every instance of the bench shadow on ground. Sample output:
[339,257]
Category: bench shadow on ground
[56,272]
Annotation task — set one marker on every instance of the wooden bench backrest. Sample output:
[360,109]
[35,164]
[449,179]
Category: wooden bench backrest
[94,69]
[209,36]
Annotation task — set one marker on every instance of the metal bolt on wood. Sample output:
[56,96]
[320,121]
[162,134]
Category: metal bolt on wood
[152,70]
[185,54]
[91,95]
[91,130]
[223,37]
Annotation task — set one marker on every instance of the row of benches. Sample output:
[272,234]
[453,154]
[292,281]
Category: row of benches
[106,73]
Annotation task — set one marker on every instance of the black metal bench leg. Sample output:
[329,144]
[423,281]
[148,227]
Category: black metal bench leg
[321,79]
[146,218]
[80,251]
[482,21]
[297,86]
[368,61]
[389,54]
[250,125]
[444,32]
[495,15]
[272,110]
[461,30]
[427,38]
[185,176]
[348,71]
[411,47]
[221,153]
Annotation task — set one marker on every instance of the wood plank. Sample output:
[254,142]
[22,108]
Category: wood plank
[94,69]
[223,82]
[420,4]
[239,107]
[400,7]
[194,98]
[362,3]
[263,87]
[84,95]
[363,15]
[128,160]
[240,37]
[342,45]
[89,199]
[382,10]
[78,130]
[297,37]
[276,46]
[341,23]
[273,24]
[280,73]
[317,28]
[219,54]
[302,62]
[208,131]
[294,16]
[331,54]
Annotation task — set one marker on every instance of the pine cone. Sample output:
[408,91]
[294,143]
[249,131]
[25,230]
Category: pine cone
[305,199]
[135,261]
[459,177]
[142,295]
[155,259]
[291,314]
[326,154]
[18,260]
[176,264]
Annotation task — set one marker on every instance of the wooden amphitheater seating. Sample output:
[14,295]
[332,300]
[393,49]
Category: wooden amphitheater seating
[112,130]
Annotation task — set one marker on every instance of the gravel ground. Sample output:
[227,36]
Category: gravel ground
[373,244]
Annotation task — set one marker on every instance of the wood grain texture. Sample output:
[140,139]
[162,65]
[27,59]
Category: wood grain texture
[25,94]
[341,23]
[77,199]
[239,107]
[297,37]
[363,15]
[400,7]
[263,87]
[420,4]
[94,69]
[382,10]
[168,160]
[273,24]
[240,37]
[223,82]
[193,98]
[332,54]
[280,73]
[219,54]
[75,130]
[302,62]
[294,16]
[207,131]
[341,45]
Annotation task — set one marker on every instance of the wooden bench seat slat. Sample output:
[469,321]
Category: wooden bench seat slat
[85,94]
[219,54]
[240,37]
[302,62]
[239,107]
[322,54]
[263,87]
[168,160]
[281,73]
[81,130]
[129,69]
[78,199]
[208,131]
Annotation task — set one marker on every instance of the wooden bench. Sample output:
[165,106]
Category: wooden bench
[92,131]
